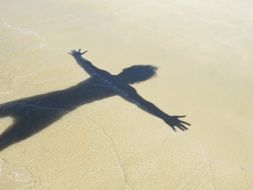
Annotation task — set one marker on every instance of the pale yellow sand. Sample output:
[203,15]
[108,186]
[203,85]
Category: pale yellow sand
[203,50]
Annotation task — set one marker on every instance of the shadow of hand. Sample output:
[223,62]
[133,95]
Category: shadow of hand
[76,53]
[174,121]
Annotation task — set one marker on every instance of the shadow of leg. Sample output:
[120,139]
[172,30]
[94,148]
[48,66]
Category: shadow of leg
[11,135]
[4,111]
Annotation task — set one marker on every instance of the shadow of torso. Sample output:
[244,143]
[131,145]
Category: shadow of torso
[33,114]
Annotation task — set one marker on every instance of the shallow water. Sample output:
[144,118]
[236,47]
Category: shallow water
[203,51]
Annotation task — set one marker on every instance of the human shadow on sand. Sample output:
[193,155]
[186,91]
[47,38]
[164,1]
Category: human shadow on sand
[33,114]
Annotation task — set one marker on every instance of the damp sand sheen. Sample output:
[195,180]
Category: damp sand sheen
[203,52]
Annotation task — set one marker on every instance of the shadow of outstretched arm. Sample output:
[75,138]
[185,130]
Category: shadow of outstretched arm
[173,121]
[84,63]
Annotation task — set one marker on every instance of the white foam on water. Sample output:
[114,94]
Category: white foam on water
[15,41]
[19,34]
[18,177]
[21,30]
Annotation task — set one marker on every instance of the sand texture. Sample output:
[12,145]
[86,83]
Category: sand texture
[96,139]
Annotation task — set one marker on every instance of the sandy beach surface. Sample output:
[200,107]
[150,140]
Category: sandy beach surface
[203,52]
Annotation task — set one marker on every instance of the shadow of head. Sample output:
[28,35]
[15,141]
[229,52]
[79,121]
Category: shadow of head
[137,73]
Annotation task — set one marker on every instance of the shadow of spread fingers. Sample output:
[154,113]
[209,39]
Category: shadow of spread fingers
[186,123]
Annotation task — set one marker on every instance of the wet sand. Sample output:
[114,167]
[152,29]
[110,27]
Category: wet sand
[203,51]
